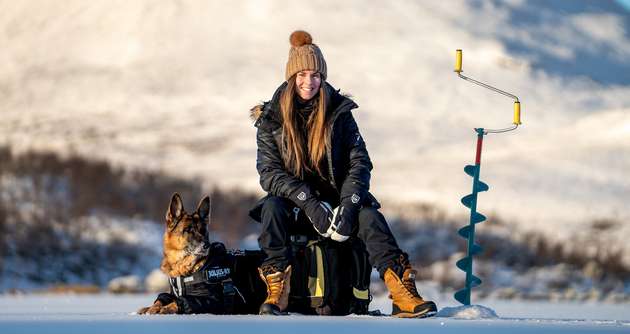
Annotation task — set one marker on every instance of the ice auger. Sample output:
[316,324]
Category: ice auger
[470,201]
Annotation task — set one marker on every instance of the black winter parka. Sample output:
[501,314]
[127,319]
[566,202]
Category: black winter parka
[347,160]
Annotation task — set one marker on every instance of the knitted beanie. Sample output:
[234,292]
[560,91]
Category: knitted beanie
[304,55]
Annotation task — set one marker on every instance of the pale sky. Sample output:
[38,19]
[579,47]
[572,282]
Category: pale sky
[625,4]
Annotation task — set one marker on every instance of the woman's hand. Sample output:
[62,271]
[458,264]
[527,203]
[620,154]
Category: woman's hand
[345,217]
[321,216]
[318,212]
[344,220]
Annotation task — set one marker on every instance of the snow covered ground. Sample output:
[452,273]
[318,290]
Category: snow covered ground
[108,314]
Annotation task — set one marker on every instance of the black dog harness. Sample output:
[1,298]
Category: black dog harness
[212,279]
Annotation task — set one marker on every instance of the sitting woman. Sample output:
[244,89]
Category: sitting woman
[312,156]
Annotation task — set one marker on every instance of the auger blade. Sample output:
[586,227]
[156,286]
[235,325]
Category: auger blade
[470,170]
[463,296]
[464,263]
[475,250]
[467,200]
[482,186]
[464,231]
[475,281]
[477,218]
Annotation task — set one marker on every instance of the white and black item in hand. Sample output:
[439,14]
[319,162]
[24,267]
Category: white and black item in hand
[320,213]
[345,217]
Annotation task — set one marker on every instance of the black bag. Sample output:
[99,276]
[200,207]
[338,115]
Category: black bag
[329,277]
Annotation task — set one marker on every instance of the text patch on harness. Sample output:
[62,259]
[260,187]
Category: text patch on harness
[217,274]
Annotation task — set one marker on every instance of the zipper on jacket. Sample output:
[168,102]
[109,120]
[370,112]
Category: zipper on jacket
[329,148]
[330,166]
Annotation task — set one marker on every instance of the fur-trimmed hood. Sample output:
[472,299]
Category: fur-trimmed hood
[255,112]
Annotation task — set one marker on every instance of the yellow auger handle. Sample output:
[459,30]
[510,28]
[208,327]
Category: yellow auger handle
[458,60]
[517,113]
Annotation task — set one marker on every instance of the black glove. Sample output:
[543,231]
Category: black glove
[318,212]
[345,217]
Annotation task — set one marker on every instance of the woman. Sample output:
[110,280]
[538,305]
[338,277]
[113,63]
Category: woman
[311,155]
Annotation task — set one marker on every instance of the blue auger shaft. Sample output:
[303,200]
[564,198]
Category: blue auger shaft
[473,211]
[470,201]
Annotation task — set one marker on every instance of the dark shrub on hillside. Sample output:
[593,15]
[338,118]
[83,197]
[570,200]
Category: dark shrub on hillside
[43,196]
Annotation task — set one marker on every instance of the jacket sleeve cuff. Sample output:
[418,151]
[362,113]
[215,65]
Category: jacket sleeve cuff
[302,195]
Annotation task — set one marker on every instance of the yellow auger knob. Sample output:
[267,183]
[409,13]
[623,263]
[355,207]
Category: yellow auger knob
[458,60]
[517,113]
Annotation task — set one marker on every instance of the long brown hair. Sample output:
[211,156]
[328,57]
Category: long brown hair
[293,139]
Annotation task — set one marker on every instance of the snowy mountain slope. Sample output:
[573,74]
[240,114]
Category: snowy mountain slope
[167,87]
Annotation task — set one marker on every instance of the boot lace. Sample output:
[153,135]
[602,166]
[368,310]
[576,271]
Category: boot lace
[410,286]
[276,284]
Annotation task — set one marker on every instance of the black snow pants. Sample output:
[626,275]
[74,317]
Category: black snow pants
[279,222]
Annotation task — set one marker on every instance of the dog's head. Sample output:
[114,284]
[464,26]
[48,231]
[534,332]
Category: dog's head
[186,237]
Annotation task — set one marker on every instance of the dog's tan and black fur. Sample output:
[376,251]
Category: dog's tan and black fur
[186,246]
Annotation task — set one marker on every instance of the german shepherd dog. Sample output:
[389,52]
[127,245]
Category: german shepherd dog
[186,247]
[204,276]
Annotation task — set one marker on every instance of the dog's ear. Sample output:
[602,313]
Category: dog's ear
[175,209]
[203,209]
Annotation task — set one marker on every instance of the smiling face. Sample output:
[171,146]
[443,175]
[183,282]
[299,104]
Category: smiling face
[307,84]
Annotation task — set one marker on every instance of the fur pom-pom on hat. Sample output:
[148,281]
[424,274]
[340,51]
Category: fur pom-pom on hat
[299,38]
[304,55]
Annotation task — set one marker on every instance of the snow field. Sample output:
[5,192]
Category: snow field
[106,313]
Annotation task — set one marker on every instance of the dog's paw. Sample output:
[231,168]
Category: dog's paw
[153,309]
[169,309]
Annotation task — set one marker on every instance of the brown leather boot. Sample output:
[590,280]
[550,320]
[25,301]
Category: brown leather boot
[278,287]
[406,302]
